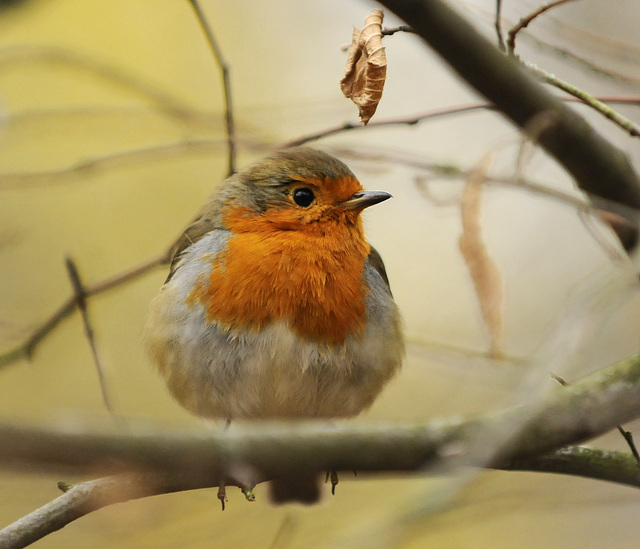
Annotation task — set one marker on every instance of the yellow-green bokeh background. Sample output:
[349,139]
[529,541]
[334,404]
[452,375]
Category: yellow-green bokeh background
[569,307]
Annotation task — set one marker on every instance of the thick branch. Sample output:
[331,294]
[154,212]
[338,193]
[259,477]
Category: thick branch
[173,461]
[82,499]
[598,167]
[619,467]
[569,415]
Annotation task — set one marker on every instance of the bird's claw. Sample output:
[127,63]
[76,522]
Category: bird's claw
[333,475]
[222,494]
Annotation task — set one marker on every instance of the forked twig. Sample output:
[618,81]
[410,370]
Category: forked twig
[27,348]
[627,435]
[627,125]
[80,296]
[524,22]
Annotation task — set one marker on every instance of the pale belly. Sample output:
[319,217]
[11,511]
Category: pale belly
[274,373]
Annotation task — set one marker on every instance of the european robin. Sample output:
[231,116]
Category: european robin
[276,306]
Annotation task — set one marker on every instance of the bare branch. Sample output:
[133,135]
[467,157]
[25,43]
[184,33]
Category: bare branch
[52,56]
[390,31]
[569,415]
[524,22]
[108,161]
[169,461]
[618,467]
[80,295]
[628,437]
[226,83]
[27,348]
[597,166]
[84,498]
[414,119]
[409,120]
[627,125]
[498,26]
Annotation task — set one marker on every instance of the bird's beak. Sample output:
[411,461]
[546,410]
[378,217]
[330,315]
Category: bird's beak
[364,199]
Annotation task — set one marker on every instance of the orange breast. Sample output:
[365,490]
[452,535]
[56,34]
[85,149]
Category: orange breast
[310,278]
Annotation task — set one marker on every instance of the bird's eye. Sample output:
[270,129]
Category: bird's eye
[303,197]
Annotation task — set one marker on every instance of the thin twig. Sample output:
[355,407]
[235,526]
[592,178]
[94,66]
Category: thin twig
[80,296]
[390,31]
[409,120]
[108,161]
[627,125]
[414,119]
[597,166]
[586,62]
[26,349]
[618,467]
[524,22]
[498,26]
[226,83]
[130,157]
[627,435]
[54,55]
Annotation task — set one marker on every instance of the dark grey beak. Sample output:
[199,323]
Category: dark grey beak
[364,199]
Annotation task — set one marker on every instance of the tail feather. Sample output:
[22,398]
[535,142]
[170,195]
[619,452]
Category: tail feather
[300,487]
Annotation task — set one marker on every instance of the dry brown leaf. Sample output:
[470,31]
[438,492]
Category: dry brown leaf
[366,68]
[485,275]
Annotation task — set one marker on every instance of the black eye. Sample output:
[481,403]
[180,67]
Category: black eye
[303,197]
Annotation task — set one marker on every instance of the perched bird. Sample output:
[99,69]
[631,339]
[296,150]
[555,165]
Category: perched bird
[276,306]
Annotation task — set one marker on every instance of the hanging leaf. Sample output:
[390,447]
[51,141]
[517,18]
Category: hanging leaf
[366,68]
[485,275]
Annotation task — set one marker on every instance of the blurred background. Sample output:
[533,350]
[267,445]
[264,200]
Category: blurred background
[112,136]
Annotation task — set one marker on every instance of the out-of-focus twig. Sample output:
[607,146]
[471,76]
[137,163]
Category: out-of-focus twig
[28,347]
[108,161]
[52,56]
[627,125]
[498,26]
[80,295]
[390,31]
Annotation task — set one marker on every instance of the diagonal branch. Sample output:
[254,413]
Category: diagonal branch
[28,347]
[597,166]
[80,295]
[524,23]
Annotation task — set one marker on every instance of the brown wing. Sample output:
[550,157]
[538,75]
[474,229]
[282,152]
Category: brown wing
[375,260]
[192,234]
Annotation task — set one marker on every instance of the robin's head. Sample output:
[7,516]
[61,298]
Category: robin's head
[293,189]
